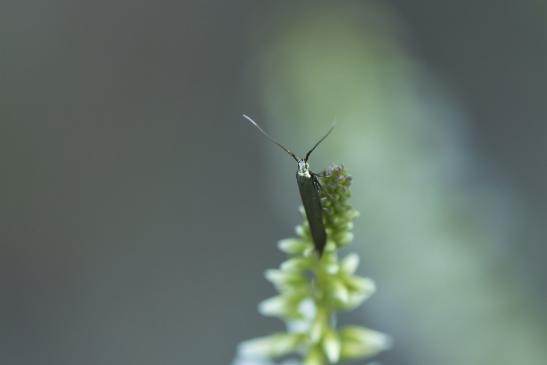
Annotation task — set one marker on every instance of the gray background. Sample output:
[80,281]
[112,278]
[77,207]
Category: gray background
[139,211]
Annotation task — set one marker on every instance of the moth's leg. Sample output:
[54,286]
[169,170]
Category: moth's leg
[316,182]
[318,186]
[322,174]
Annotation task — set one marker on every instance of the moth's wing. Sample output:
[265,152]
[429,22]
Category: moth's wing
[314,211]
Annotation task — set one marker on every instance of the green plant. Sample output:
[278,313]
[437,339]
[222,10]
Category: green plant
[312,290]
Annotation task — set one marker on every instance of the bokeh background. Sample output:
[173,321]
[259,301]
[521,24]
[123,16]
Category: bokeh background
[139,210]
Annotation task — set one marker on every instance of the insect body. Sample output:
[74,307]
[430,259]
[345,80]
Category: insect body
[309,186]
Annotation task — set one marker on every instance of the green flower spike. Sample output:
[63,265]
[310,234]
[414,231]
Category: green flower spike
[312,290]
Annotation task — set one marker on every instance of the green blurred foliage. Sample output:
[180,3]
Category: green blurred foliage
[435,233]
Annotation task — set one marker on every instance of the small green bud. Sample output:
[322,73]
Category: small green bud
[292,246]
[284,279]
[331,346]
[314,357]
[274,307]
[319,325]
[275,345]
[296,264]
[339,292]
[350,263]
[360,285]
[360,342]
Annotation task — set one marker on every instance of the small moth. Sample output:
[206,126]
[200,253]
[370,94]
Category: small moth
[309,186]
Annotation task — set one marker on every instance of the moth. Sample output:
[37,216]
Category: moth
[309,187]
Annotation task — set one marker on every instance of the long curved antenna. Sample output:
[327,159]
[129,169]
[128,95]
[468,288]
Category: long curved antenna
[270,138]
[318,142]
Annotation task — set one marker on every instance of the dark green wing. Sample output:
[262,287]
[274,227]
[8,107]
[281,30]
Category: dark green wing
[314,211]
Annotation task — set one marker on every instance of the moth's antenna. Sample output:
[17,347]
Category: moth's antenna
[270,138]
[318,142]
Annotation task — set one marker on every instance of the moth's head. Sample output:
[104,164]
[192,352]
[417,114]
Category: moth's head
[303,168]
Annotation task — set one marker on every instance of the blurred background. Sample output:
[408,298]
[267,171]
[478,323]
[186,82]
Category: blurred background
[139,210]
